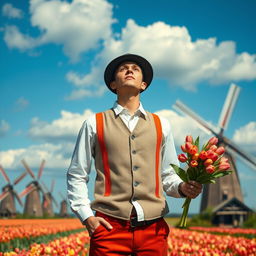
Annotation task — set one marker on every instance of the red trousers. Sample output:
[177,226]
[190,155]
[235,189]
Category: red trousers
[149,240]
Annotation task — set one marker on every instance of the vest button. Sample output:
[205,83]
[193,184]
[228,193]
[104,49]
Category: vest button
[135,167]
[134,152]
[132,136]
[135,183]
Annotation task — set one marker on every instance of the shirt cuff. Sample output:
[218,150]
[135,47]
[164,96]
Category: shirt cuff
[84,213]
[179,190]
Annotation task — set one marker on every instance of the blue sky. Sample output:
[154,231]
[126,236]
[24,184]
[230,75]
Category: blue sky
[53,54]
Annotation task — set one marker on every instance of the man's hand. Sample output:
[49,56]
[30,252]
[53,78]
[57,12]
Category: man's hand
[92,223]
[191,188]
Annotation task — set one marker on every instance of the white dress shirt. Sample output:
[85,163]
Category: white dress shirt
[80,167]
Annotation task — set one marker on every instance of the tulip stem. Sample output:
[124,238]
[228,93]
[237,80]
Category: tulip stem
[183,220]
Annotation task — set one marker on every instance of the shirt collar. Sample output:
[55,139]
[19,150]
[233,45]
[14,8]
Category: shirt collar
[118,109]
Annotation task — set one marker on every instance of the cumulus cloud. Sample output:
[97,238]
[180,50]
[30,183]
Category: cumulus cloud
[4,127]
[64,129]
[176,58]
[78,26]
[246,137]
[85,86]
[182,126]
[56,156]
[10,11]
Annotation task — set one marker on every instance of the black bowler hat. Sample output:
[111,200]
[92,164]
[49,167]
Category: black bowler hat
[147,70]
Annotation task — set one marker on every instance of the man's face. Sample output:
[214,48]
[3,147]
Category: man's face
[128,76]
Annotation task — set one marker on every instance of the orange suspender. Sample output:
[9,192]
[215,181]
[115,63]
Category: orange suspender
[100,134]
[158,147]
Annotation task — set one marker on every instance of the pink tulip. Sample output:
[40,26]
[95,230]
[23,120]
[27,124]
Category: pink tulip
[220,150]
[212,155]
[193,163]
[213,148]
[189,138]
[213,141]
[208,162]
[224,160]
[183,148]
[224,166]
[210,169]
[182,158]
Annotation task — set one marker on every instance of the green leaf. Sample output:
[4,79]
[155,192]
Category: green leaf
[180,172]
[197,142]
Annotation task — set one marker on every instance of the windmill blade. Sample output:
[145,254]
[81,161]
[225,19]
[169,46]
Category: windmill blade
[4,174]
[40,172]
[28,169]
[27,190]
[52,186]
[45,187]
[18,198]
[20,178]
[232,148]
[228,106]
[4,195]
[181,107]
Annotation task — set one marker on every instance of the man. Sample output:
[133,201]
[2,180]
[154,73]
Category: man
[132,149]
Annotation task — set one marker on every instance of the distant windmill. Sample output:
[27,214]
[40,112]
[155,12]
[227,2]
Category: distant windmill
[63,206]
[33,206]
[227,190]
[7,198]
[47,201]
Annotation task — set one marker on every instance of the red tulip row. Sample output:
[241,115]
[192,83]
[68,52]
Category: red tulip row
[187,242]
[35,228]
[75,244]
[248,231]
[180,241]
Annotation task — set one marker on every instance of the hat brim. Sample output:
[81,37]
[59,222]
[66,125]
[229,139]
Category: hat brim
[147,70]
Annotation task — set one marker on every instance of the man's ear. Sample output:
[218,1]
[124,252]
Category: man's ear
[143,86]
[113,85]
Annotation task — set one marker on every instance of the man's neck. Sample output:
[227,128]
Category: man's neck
[131,103]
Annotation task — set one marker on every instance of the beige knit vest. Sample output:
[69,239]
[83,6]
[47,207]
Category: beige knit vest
[133,174]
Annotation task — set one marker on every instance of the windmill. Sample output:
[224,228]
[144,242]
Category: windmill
[47,200]
[225,197]
[7,197]
[33,206]
[63,206]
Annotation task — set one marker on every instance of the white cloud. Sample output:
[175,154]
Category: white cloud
[182,126]
[4,127]
[85,86]
[56,156]
[65,128]
[10,11]
[78,26]
[176,58]
[246,137]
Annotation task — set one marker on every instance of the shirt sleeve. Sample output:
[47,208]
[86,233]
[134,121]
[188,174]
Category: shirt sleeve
[79,170]
[170,179]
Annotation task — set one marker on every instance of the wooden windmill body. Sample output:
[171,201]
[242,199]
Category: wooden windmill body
[8,195]
[33,205]
[48,201]
[225,198]
[63,207]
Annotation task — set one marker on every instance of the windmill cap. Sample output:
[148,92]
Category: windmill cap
[147,70]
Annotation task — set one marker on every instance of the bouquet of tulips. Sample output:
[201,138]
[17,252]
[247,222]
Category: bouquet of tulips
[203,166]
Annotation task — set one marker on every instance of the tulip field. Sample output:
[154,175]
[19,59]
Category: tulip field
[68,237]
